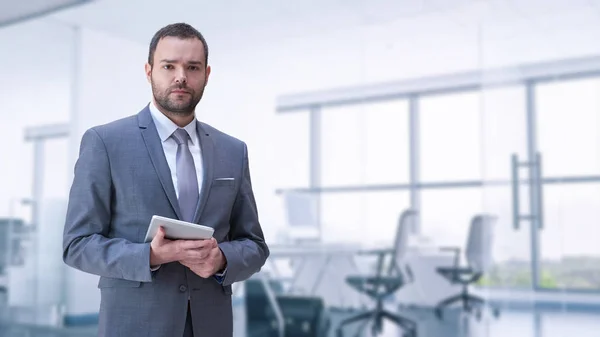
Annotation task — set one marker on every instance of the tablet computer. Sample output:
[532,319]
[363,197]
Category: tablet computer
[177,229]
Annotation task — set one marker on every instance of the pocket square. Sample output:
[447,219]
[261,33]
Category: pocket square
[225,179]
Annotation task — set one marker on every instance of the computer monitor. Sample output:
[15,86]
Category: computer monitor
[303,216]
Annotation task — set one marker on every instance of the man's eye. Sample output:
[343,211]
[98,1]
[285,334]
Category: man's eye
[194,68]
[168,66]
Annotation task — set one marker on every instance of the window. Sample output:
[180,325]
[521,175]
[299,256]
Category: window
[568,115]
[365,144]
[367,218]
[446,213]
[504,131]
[292,150]
[569,246]
[450,137]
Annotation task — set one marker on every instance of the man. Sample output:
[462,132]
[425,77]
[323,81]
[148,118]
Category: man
[162,161]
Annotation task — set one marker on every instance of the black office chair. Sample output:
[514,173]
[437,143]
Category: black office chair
[479,259]
[301,316]
[261,320]
[385,283]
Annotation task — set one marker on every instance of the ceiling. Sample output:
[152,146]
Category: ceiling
[137,20]
[246,24]
[17,11]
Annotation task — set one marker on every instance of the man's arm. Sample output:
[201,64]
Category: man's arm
[246,252]
[85,243]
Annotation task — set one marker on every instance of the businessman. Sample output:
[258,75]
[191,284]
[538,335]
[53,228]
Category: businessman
[163,161]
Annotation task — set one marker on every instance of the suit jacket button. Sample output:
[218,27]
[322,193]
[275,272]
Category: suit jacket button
[182,288]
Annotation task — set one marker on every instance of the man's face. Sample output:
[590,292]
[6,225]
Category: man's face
[179,74]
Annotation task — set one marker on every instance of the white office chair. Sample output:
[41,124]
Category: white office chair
[386,282]
[479,260]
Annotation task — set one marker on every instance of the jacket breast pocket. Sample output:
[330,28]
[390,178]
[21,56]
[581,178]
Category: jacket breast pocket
[223,183]
[108,282]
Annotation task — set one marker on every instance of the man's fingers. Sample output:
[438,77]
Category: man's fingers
[201,269]
[196,255]
[160,236]
[194,251]
[195,244]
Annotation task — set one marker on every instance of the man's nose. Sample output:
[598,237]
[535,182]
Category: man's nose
[181,77]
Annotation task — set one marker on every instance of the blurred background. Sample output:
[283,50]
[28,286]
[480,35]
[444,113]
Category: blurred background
[459,139]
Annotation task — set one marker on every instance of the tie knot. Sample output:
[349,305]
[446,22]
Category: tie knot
[181,136]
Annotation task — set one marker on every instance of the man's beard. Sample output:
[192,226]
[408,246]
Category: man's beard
[184,107]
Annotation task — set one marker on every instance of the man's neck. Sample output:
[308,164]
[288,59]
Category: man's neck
[180,119]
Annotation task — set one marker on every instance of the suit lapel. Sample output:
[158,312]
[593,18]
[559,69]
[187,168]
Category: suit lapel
[157,155]
[207,149]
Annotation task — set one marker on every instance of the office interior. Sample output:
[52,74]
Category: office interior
[422,168]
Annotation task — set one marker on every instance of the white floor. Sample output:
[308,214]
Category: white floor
[558,324]
[509,324]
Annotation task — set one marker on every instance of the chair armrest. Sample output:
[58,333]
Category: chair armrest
[456,251]
[381,253]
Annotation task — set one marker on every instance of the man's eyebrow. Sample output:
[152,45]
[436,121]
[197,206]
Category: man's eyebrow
[175,61]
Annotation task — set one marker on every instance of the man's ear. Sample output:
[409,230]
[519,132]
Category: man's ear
[207,71]
[148,69]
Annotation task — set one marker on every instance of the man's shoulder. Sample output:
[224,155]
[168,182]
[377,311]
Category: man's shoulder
[115,128]
[220,135]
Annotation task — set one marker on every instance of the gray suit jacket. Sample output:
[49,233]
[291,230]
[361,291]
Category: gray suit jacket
[121,180]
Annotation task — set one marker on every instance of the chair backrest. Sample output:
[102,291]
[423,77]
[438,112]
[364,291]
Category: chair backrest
[479,243]
[406,225]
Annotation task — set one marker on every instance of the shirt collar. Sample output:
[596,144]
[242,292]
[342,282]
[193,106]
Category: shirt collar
[166,127]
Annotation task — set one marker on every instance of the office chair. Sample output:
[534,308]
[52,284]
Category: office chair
[385,283]
[479,259]
[270,312]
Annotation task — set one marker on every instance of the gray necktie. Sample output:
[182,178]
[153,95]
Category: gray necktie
[187,182]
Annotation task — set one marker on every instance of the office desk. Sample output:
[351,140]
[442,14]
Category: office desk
[318,270]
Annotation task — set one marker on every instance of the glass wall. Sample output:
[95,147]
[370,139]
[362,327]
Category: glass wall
[450,140]
[568,115]
[364,144]
[526,153]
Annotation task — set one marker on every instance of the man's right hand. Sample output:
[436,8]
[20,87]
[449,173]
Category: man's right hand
[163,250]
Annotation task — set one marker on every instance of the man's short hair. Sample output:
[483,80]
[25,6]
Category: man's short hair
[179,30]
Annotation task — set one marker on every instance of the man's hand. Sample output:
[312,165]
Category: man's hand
[212,260]
[163,250]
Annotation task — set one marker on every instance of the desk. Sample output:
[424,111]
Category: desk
[319,270]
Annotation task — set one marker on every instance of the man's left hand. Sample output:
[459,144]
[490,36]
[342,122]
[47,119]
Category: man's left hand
[214,262]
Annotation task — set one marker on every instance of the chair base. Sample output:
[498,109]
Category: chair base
[468,303]
[377,317]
